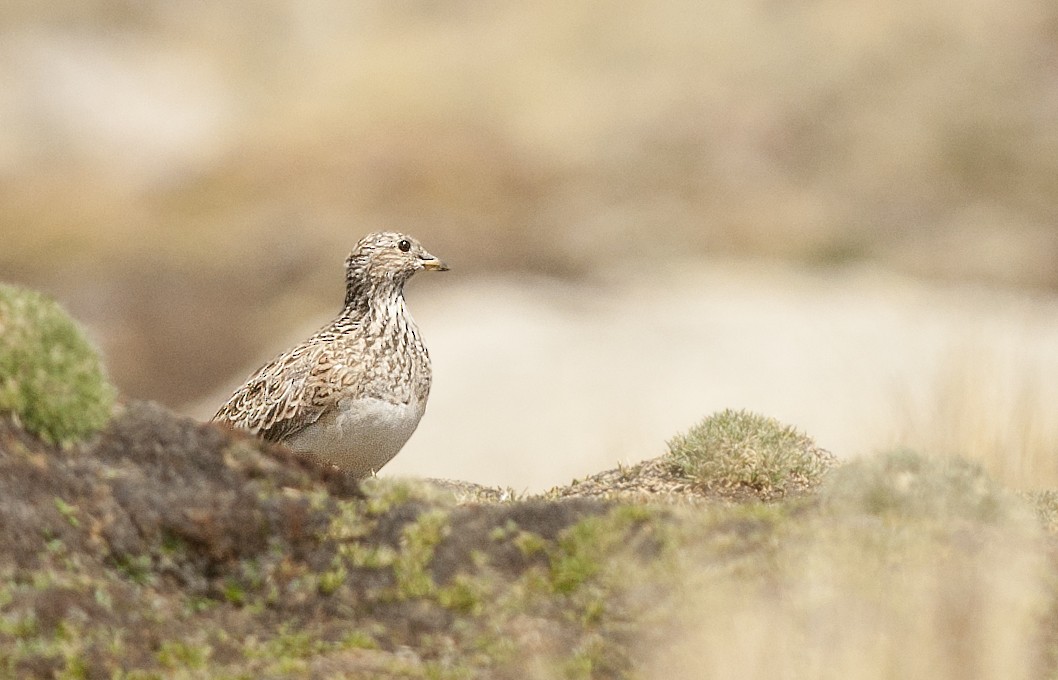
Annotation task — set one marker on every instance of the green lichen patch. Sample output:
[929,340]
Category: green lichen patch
[739,455]
[51,378]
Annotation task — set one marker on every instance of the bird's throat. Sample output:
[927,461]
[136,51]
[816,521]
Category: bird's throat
[364,295]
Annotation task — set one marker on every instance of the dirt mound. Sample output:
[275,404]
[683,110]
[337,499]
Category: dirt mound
[169,544]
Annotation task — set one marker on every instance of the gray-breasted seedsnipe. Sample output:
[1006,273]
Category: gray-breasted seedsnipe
[353,393]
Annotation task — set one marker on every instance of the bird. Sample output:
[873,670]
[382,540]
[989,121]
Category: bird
[352,394]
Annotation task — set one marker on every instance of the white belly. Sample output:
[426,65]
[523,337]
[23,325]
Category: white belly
[360,436]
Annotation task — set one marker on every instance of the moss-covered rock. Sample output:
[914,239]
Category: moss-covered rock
[173,548]
[738,453]
[51,378]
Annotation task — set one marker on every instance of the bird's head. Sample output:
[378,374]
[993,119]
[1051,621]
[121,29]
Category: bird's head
[385,258]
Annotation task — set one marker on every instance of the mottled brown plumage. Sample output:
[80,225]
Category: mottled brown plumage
[353,393]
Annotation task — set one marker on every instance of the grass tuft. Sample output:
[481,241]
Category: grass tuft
[51,378]
[735,452]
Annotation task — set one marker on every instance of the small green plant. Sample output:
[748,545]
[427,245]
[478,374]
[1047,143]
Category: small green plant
[67,511]
[737,451]
[418,541]
[177,654]
[333,578]
[136,567]
[583,549]
[51,378]
[383,494]
[234,592]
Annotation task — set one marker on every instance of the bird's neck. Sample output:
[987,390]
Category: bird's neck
[366,296]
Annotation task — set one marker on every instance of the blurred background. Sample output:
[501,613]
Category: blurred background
[838,213]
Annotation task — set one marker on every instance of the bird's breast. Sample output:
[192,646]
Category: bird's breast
[361,434]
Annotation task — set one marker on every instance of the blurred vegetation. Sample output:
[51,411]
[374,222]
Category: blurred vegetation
[51,378]
[164,161]
[908,484]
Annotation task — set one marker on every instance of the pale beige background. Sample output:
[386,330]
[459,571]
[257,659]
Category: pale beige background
[841,214]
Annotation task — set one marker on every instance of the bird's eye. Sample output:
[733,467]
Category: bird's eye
[404,245]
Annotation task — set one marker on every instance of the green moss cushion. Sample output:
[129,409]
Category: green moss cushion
[51,378]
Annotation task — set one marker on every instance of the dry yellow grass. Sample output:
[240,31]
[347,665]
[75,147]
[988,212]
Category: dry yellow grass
[994,406]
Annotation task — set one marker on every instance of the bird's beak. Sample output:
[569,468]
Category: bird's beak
[432,263]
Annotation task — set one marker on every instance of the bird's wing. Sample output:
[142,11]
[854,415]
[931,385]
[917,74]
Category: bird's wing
[287,394]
